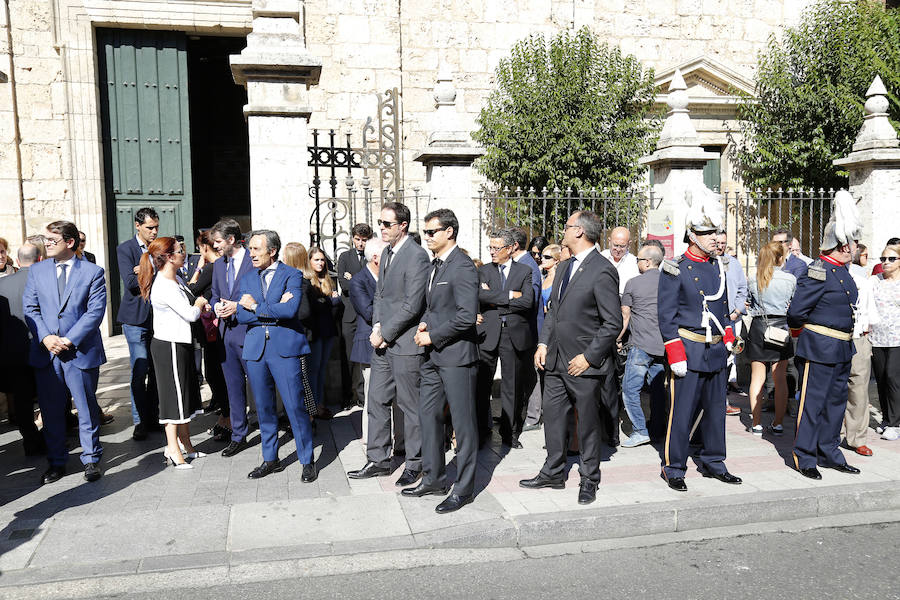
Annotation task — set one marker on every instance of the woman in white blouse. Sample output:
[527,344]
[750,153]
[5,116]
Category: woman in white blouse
[172,346]
[885,337]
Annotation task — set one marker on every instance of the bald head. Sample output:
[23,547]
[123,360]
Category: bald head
[619,238]
[28,254]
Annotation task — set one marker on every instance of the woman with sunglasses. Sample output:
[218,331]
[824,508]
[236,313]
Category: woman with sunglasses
[548,259]
[885,338]
[536,246]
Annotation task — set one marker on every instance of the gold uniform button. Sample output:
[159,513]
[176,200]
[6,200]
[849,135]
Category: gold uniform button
[696,279]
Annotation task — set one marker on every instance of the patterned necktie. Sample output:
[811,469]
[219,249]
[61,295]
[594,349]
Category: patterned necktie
[229,274]
[263,281]
[61,281]
[502,277]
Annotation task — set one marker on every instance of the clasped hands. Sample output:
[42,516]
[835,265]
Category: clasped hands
[56,344]
[422,337]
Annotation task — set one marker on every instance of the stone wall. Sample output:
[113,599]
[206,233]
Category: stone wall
[366,47]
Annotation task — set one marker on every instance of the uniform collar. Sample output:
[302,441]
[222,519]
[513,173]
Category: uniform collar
[830,260]
[695,258]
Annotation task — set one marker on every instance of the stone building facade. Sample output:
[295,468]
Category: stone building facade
[53,123]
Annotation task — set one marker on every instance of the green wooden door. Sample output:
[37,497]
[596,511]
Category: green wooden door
[146,130]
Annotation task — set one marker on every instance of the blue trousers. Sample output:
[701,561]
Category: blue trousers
[640,367]
[265,374]
[696,391]
[823,400]
[144,401]
[235,370]
[55,383]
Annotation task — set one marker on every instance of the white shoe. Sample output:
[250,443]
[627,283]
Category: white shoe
[195,454]
[891,433]
[756,430]
[777,429]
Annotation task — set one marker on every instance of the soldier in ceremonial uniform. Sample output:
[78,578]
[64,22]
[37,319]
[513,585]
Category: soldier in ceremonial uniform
[693,318]
[821,317]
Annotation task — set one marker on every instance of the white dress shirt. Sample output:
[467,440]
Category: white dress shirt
[173,313]
[627,267]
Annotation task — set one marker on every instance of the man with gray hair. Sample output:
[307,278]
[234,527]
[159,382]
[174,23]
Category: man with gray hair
[646,356]
[16,375]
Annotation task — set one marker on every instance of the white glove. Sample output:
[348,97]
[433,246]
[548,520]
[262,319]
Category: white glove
[728,346]
[679,369]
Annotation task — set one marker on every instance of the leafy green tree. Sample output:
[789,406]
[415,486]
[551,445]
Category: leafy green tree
[810,91]
[568,112]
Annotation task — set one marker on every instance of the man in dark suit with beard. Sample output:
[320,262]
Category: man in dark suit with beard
[506,298]
[448,334]
[578,336]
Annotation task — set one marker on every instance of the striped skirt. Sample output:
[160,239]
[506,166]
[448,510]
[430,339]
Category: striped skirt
[176,381]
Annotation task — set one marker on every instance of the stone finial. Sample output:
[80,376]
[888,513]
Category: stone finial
[444,90]
[877,131]
[678,129]
[447,129]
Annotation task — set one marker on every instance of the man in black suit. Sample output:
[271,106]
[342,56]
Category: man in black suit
[579,333]
[135,317]
[16,375]
[394,376]
[448,333]
[349,263]
[82,240]
[506,299]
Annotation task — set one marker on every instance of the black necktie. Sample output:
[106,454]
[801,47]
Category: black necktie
[362,258]
[61,281]
[387,260]
[565,277]
[437,265]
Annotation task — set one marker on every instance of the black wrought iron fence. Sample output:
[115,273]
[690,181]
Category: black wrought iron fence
[545,212]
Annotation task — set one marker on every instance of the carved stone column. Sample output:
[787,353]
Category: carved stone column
[874,167]
[677,168]
[278,70]
[448,162]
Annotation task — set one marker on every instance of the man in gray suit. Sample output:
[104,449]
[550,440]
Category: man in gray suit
[396,312]
[448,333]
[16,375]
[577,339]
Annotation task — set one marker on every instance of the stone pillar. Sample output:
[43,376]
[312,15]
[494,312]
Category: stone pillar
[874,167]
[677,167]
[277,70]
[448,162]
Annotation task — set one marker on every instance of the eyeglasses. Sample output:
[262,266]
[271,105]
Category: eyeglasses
[431,232]
[640,259]
[547,256]
[570,226]
[889,258]
[387,224]
[53,241]
[493,249]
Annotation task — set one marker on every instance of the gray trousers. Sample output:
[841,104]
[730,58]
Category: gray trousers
[856,416]
[535,399]
[456,387]
[394,379]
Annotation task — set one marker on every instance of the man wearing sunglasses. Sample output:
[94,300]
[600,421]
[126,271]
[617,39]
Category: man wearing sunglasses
[396,312]
[821,317]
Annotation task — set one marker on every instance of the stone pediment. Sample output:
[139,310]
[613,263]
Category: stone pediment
[712,87]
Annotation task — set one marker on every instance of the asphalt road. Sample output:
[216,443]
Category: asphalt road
[842,563]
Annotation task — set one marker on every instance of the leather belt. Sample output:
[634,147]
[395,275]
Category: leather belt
[697,337]
[828,331]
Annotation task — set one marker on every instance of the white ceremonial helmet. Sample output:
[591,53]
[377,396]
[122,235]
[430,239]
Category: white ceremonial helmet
[704,212]
[844,226]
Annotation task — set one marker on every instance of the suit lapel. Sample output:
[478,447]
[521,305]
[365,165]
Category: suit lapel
[71,280]
[277,278]
[575,276]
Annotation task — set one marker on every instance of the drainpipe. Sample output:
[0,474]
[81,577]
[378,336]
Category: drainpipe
[15,113]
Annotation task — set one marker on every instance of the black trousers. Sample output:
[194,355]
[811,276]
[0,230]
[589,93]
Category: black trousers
[886,365]
[20,386]
[562,394]
[487,366]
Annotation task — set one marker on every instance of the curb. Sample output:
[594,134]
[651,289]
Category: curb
[495,539]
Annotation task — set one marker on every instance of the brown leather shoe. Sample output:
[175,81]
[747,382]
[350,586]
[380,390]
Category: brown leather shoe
[863,450]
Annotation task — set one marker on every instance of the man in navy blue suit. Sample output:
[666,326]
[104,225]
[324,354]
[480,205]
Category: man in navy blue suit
[235,263]
[135,317]
[821,316]
[64,303]
[270,295]
[530,381]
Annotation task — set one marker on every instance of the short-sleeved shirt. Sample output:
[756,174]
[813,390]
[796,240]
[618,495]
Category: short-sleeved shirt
[640,294]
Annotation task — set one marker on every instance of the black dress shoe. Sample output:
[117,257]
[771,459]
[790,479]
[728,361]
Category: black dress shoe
[425,490]
[92,472]
[542,481]
[725,477]
[369,470]
[676,483]
[140,433]
[812,473]
[234,447]
[587,492]
[452,503]
[843,468]
[53,474]
[409,477]
[266,468]
[310,473]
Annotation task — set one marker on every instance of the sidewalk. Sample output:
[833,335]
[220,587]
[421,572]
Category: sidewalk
[144,518]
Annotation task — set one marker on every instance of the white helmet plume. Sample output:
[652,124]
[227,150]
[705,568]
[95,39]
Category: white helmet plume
[704,209]
[844,225]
